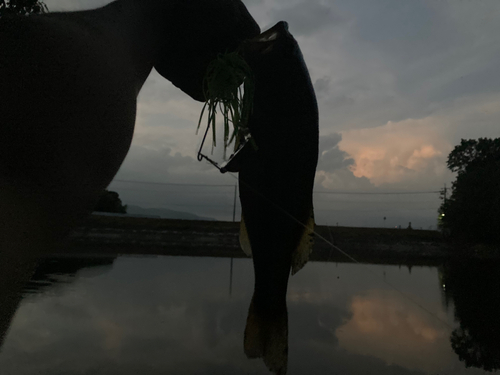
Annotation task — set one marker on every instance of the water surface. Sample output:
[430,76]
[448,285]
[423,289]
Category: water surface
[180,315]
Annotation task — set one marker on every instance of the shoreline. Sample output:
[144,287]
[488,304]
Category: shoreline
[114,235]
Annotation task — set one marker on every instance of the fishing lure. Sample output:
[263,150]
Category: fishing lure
[228,87]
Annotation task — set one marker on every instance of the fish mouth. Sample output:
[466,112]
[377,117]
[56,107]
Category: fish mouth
[281,28]
[264,43]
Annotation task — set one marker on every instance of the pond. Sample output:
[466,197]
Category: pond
[186,315]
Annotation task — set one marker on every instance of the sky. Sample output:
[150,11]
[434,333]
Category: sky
[398,84]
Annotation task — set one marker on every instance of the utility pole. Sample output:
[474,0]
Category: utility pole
[444,193]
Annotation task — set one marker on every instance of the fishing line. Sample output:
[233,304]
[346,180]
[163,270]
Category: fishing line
[330,243]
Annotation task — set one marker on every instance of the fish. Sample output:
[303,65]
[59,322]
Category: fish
[276,179]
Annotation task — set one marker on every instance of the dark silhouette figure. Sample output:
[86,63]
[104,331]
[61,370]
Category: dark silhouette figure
[14,272]
[276,182]
[68,90]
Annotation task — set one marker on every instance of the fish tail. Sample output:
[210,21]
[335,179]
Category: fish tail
[266,336]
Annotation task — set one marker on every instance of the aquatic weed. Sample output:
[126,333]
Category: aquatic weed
[228,87]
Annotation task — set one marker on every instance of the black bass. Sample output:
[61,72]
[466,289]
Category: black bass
[276,186]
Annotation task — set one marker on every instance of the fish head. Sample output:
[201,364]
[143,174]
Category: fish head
[204,29]
[284,102]
[266,50]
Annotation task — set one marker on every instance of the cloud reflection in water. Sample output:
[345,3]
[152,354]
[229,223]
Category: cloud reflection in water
[175,315]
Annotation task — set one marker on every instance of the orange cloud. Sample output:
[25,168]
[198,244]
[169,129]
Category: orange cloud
[398,151]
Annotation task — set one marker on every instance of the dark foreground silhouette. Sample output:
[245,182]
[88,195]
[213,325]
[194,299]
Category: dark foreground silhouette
[276,182]
[68,89]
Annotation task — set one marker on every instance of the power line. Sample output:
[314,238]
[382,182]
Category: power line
[412,209]
[375,193]
[211,193]
[169,183]
[315,192]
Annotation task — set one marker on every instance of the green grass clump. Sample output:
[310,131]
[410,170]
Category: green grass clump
[229,88]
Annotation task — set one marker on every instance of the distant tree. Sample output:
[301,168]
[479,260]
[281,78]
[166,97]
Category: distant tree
[472,213]
[471,153]
[110,202]
[21,7]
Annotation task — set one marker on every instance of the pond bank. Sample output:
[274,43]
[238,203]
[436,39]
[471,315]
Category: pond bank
[132,235]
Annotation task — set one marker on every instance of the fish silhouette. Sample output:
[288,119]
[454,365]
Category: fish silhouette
[276,182]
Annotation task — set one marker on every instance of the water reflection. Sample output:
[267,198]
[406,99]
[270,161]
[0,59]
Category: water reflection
[386,326]
[21,276]
[14,273]
[187,316]
[51,271]
[474,288]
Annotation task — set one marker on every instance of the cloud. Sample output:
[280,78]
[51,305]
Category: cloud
[158,165]
[334,167]
[331,157]
[398,152]
[307,18]
[322,85]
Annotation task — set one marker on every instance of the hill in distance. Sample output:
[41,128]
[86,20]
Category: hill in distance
[165,213]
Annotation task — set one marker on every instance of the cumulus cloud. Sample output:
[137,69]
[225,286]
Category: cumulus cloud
[334,167]
[341,180]
[396,152]
[331,157]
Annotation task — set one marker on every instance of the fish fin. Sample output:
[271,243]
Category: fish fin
[301,254]
[266,337]
[244,240]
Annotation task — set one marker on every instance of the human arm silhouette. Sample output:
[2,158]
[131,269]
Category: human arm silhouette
[68,88]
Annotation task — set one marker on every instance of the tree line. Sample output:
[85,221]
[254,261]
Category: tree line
[21,7]
[472,213]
